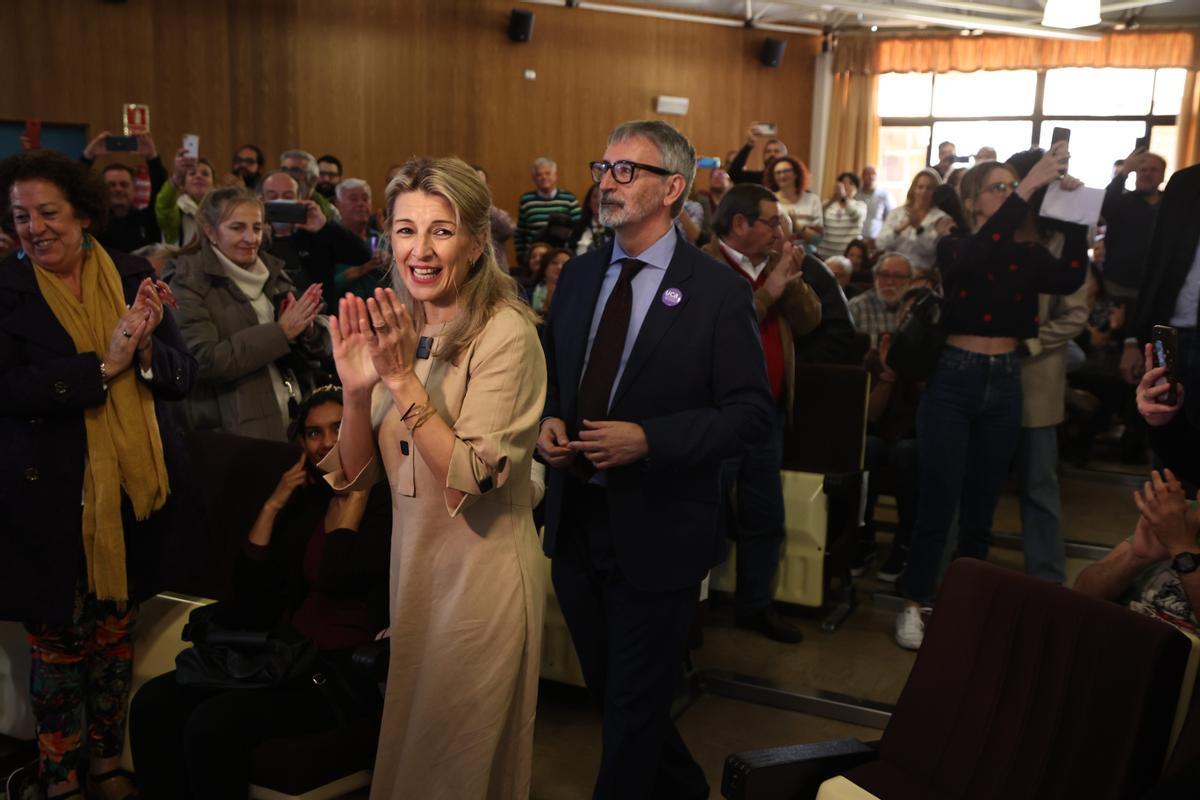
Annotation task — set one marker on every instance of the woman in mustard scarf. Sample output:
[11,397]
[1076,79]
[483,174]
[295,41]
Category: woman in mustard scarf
[88,354]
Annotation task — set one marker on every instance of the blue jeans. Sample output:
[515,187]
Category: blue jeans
[967,429]
[758,518]
[1041,505]
[894,464]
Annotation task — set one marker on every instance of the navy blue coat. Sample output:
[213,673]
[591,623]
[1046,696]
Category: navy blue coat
[44,388]
[696,381]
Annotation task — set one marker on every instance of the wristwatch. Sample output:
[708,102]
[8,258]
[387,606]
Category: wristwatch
[1184,563]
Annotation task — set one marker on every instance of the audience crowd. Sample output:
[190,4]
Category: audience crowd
[395,337]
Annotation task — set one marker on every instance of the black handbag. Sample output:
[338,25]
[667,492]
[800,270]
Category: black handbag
[225,657]
[917,343]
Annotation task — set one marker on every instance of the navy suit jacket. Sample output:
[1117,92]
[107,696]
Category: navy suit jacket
[696,381]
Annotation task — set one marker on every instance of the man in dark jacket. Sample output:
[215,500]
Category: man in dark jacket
[128,228]
[311,249]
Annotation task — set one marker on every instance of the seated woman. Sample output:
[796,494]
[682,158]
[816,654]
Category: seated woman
[254,340]
[177,201]
[314,560]
[552,264]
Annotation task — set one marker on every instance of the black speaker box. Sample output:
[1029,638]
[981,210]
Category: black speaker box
[772,52]
[520,25]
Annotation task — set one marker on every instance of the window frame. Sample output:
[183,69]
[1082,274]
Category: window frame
[1038,116]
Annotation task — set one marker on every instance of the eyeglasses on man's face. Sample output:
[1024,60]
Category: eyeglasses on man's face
[623,171]
[771,222]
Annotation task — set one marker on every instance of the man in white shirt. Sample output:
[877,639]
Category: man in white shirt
[879,205]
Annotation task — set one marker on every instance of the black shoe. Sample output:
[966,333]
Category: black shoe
[862,559]
[773,625]
[894,565]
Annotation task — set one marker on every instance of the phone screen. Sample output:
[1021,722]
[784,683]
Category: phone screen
[374,243]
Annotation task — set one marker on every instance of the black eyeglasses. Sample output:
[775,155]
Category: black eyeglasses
[623,171]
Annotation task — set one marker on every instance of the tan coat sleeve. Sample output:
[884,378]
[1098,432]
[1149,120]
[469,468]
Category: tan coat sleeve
[497,426]
[372,471]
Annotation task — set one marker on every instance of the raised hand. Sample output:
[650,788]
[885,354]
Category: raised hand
[1149,395]
[392,336]
[349,331]
[1045,171]
[96,147]
[296,314]
[315,219]
[289,482]
[123,341]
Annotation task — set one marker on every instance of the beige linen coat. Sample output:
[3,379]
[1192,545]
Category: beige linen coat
[466,579]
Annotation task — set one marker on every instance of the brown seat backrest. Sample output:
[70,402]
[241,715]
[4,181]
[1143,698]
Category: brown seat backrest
[228,479]
[829,423]
[1026,689]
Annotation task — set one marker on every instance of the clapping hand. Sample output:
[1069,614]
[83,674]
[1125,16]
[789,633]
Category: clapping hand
[1164,506]
[351,355]
[296,314]
[150,303]
[944,226]
[123,342]
[786,272]
[1149,395]
[392,336]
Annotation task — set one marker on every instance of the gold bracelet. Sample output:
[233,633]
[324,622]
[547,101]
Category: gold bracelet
[419,415]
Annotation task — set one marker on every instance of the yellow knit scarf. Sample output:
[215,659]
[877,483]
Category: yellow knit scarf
[124,449]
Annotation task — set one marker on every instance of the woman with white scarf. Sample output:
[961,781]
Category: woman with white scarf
[177,201]
[252,337]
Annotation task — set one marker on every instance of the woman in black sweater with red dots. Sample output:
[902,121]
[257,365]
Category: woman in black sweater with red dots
[969,419]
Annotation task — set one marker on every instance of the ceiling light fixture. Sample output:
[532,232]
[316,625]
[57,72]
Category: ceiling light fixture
[1071,13]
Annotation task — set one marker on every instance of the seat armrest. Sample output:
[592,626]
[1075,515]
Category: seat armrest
[793,771]
[372,659]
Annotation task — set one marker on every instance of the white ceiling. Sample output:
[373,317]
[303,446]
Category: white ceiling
[1011,16]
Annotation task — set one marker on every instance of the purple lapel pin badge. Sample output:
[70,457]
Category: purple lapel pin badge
[672,297]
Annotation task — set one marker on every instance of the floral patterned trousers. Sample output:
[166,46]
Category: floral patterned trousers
[85,667]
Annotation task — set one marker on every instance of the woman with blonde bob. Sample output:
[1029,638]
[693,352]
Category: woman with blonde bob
[911,229]
[444,385]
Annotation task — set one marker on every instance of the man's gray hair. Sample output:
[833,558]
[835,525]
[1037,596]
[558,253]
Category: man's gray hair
[890,254]
[310,166]
[840,262]
[540,162]
[675,151]
[352,183]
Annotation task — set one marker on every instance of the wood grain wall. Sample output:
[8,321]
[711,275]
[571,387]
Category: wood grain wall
[376,81]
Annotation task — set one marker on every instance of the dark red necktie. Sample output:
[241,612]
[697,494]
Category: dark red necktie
[607,347]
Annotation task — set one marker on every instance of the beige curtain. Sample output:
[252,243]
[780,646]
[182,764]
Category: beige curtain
[853,127]
[1188,147]
[872,55]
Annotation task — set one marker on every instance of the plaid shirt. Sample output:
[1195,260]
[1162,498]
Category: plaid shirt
[871,315]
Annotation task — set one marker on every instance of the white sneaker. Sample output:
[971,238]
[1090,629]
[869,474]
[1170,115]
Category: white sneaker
[910,628]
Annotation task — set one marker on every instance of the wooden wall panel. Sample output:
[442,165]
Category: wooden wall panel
[376,81]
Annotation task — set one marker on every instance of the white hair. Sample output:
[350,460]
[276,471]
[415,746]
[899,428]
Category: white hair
[352,183]
[892,254]
[542,162]
[840,262]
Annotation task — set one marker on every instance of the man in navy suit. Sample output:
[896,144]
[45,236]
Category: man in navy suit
[656,374]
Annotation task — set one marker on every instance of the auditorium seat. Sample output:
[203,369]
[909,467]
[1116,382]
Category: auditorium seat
[822,491]
[1021,689]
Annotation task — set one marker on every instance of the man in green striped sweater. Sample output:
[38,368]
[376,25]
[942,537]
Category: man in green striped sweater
[537,206]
